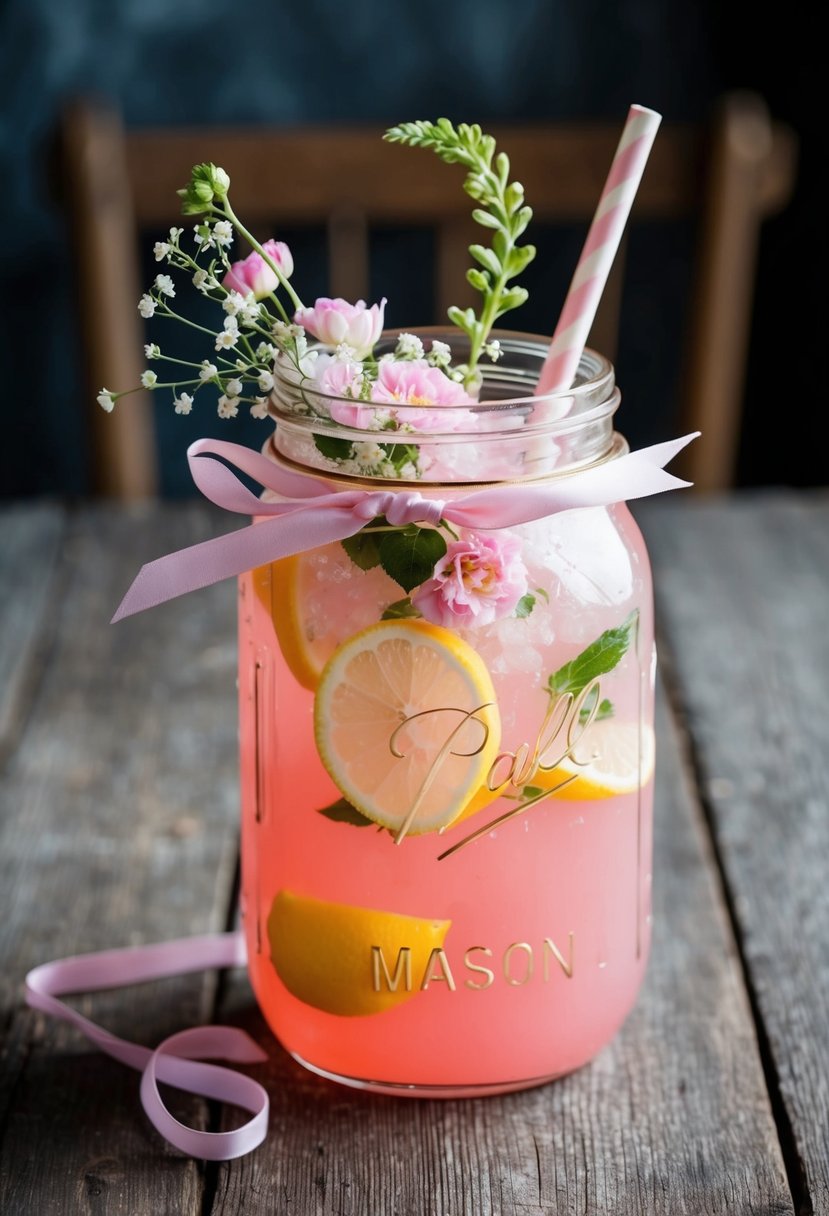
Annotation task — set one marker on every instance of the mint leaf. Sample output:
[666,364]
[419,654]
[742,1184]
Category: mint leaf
[342,811]
[409,555]
[333,449]
[544,594]
[525,606]
[400,610]
[605,710]
[531,791]
[400,453]
[598,659]
[362,549]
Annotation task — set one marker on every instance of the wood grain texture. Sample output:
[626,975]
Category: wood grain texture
[744,599]
[29,544]
[673,1117]
[118,827]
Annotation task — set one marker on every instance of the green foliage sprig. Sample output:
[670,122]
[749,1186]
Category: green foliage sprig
[502,212]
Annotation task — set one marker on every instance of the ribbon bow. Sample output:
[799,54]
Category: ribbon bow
[308,514]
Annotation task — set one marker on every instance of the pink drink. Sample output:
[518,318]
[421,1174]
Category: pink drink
[549,911]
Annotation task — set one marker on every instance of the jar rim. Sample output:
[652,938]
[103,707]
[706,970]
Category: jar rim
[425,426]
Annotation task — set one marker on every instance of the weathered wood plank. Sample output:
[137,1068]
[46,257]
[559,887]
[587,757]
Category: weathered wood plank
[29,546]
[672,1118]
[744,594]
[119,827]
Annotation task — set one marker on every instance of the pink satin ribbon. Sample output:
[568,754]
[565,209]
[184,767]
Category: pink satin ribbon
[309,514]
[178,1060]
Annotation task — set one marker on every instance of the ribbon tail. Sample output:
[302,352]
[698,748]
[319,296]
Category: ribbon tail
[637,475]
[232,554]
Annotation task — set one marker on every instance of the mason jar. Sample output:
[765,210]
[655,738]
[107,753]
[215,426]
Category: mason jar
[447,744]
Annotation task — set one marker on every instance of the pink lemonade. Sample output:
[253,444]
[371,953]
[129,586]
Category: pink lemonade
[548,911]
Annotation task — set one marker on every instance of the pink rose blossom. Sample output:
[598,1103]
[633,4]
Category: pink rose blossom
[478,580]
[336,321]
[341,378]
[253,274]
[415,382]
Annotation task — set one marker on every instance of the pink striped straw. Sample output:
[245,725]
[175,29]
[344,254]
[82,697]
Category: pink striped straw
[603,239]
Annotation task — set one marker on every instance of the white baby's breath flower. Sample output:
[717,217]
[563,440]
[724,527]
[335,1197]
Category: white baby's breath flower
[228,407]
[250,314]
[230,335]
[367,453]
[265,352]
[200,281]
[440,354]
[345,353]
[380,420]
[409,346]
[165,285]
[387,469]
[408,472]
[493,351]
[233,388]
[183,404]
[152,350]
[265,382]
[161,249]
[175,234]
[106,400]
[223,233]
[207,371]
[284,330]
[146,305]
[233,303]
[203,236]
[259,409]
[149,379]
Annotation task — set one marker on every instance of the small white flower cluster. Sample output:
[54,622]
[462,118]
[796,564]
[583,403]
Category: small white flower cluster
[409,346]
[440,354]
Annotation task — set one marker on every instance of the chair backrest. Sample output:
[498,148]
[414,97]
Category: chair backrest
[123,181]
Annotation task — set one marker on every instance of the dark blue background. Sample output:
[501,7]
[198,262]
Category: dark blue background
[204,61]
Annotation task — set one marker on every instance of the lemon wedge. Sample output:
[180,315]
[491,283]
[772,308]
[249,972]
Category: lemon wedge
[605,762]
[348,960]
[316,600]
[407,724]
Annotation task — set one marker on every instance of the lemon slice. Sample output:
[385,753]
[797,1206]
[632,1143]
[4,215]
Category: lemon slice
[407,724]
[609,751]
[348,960]
[605,762]
[318,599]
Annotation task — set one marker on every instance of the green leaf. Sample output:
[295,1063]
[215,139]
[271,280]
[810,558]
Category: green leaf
[400,610]
[486,258]
[342,811]
[409,555]
[513,298]
[485,219]
[531,791]
[605,710]
[525,606]
[333,449]
[362,549]
[598,659]
[544,594]
[478,279]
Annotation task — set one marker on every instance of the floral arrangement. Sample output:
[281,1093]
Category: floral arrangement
[326,361]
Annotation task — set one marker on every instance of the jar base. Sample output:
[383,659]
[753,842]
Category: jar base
[400,1089]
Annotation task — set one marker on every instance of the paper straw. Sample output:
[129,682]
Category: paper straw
[603,239]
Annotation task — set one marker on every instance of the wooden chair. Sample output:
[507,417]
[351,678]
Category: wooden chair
[121,182]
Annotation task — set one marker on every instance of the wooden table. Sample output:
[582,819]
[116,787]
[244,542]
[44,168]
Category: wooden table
[119,825]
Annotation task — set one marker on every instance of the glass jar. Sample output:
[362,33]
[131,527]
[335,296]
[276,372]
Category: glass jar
[447,787]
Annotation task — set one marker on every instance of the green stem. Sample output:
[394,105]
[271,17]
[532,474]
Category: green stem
[252,241]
